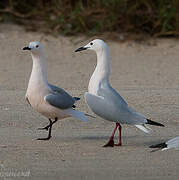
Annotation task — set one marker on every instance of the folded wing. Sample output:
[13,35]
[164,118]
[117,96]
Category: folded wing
[59,98]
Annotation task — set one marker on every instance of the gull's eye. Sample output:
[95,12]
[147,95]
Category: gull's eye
[37,46]
[91,43]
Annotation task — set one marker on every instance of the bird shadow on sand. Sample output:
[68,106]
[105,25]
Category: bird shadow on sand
[136,141]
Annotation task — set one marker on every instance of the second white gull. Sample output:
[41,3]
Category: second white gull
[105,101]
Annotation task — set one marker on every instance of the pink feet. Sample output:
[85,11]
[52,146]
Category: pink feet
[111,140]
[119,144]
[110,143]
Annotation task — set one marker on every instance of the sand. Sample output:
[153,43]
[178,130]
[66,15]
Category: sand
[146,74]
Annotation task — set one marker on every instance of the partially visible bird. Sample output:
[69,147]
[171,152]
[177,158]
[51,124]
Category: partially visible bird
[172,143]
[105,101]
[49,100]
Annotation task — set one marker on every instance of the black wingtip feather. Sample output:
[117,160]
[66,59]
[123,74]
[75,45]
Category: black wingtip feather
[154,123]
[161,145]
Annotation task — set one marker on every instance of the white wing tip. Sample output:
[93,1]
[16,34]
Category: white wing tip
[143,128]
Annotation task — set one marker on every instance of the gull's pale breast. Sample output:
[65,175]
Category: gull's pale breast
[36,99]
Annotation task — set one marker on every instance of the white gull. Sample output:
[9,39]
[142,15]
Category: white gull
[47,99]
[105,101]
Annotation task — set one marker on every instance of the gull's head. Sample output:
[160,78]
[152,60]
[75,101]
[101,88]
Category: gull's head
[96,45]
[34,47]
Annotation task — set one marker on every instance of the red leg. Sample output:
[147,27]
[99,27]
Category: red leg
[111,140]
[120,136]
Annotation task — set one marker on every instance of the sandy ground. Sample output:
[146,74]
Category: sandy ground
[145,74]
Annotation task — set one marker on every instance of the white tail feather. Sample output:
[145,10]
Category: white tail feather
[78,115]
[143,128]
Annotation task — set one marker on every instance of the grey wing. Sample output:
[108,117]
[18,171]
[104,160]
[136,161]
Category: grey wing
[62,92]
[59,100]
[111,94]
[59,90]
[126,112]
[101,107]
[115,107]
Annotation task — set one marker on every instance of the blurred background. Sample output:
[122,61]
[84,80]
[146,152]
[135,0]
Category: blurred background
[70,17]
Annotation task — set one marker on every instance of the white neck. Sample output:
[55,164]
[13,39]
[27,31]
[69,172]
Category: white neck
[38,75]
[102,71]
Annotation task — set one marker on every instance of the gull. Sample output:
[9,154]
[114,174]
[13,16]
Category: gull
[105,101]
[49,100]
[172,143]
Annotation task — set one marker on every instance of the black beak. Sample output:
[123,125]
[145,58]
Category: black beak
[26,48]
[81,49]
